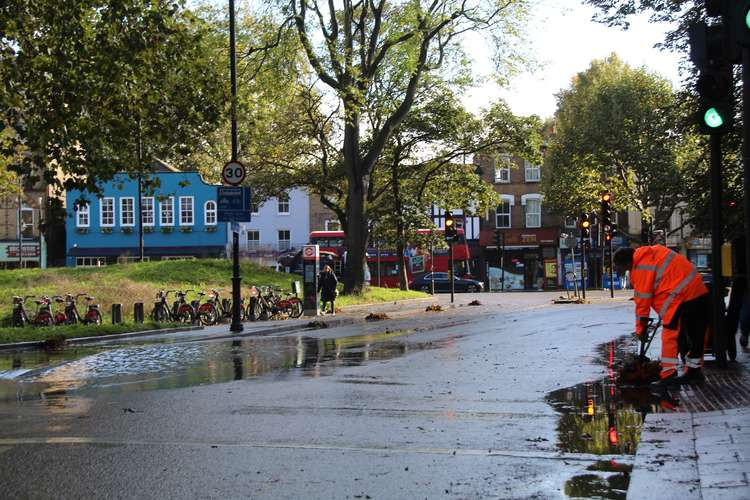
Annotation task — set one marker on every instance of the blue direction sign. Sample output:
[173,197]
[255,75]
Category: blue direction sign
[233,204]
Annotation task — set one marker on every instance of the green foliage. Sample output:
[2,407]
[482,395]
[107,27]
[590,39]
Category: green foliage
[94,87]
[617,128]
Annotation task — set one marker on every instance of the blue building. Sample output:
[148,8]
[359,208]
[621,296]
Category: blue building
[179,221]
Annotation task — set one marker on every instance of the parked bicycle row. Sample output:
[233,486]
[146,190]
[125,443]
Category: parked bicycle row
[65,311]
[263,303]
[188,306]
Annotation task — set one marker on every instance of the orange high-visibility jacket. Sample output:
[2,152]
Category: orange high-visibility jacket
[662,279]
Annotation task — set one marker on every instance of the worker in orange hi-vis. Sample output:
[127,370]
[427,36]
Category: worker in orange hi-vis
[667,282]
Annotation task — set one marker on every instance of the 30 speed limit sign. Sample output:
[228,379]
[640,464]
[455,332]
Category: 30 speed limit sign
[233,173]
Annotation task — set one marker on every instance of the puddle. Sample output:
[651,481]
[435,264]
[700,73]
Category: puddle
[603,418]
[31,375]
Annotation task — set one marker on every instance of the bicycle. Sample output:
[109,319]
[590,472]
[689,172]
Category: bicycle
[72,316]
[59,316]
[43,315]
[20,317]
[206,313]
[93,314]
[181,311]
[264,306]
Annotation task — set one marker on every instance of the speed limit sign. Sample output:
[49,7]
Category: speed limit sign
[233,173]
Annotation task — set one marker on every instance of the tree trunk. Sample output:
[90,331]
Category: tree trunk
[647,234]
[357,231]
[403,280]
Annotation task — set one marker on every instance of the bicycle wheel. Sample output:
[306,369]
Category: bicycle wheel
[44,319]
[207,314]
[185,314]
[254,309]
[93,317]
[296,307]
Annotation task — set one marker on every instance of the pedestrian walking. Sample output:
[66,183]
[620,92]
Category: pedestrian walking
[669,283]
[737,299]
[327,283]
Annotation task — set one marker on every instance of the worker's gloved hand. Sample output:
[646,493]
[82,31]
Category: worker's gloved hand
[642,327]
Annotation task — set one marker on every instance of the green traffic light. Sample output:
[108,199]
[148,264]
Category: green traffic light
[747,18]
[713,118]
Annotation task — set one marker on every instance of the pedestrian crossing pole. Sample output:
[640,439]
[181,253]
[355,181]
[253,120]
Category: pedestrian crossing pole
[236,325]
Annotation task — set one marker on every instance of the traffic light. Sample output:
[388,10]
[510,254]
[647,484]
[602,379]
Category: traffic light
[714,51]
[606,217]
[584,224]
[450,226]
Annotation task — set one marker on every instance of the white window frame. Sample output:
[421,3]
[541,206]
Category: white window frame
[91,261]
[81,212]
[511,201]
[210,210]
[536,197]
[148,201]
[281,201]
[502,168]
[191,212]
[532,172]
[170,201]
[253,244]
[101,212]
[22,225]
[123,213]
[288,244]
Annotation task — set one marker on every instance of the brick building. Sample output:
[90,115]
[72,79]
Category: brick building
[529,255]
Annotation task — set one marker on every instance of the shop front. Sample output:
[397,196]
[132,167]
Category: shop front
[30,254]
[525,260]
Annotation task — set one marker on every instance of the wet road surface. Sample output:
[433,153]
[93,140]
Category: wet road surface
[511,405]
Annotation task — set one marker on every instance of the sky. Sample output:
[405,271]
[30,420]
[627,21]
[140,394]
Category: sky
[565,41]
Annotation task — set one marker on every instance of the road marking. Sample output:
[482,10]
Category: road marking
[541,455]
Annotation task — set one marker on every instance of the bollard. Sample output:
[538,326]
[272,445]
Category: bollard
[138,312]
[116,314]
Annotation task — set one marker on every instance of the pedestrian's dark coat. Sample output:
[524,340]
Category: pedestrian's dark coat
[327,286]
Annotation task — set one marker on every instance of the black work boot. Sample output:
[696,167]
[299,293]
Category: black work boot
[670,381]
[693,376]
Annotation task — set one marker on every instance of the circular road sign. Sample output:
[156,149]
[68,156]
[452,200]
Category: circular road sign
[233,173]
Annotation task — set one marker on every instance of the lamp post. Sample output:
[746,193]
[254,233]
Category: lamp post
[236,325]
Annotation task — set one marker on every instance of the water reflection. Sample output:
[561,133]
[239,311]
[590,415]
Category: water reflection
[603,417]
[161,366]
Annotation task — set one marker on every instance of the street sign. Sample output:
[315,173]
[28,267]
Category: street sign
[233,173]
[233,204]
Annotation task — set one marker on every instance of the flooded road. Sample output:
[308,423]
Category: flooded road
[29,375]
[497,407]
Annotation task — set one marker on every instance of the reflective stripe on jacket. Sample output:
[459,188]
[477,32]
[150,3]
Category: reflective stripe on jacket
[662,280]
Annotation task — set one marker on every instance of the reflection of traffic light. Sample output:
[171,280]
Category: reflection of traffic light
[498,239]
[584,224]
[450,226]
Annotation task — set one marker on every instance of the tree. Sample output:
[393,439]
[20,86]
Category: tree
[94,87]
[617,128]
[353,45]
[422,164]
[681,15]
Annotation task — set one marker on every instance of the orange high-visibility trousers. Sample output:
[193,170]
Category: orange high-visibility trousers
[669,350]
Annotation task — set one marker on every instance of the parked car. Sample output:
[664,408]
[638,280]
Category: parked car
[443,284]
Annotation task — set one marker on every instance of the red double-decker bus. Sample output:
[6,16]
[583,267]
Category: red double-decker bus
[385,264]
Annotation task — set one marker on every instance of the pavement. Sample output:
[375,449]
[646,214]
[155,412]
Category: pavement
[702,451]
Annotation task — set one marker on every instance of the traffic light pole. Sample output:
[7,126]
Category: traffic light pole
[611,272]
[717,287]
[584,275]
[236,325]
[746,162]
[450,267]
